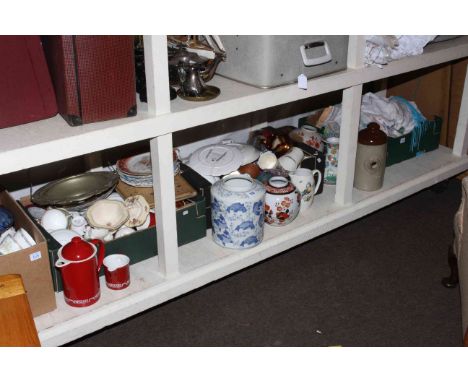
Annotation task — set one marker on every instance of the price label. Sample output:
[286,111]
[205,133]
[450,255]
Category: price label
[302,81]
[35,256]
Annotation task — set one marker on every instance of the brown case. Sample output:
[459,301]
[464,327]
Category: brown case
[93,76]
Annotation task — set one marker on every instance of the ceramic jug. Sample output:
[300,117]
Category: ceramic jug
[282,201]
[304,180]
[237,211]
[79,262]
[371,157]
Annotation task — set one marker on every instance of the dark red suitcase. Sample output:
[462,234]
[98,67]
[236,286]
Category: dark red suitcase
[26,91]
[93,76]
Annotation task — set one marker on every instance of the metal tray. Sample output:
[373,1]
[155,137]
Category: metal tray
[75,189]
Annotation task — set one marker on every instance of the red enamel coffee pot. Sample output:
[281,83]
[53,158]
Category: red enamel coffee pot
[79,262]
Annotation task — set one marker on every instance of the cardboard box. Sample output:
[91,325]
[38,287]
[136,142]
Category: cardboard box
[141,245]
[31,263]
[412,144]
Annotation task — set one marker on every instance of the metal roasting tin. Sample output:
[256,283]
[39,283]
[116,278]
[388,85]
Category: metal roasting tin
[270,61]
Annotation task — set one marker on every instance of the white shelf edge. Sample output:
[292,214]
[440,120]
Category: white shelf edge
[165,290]
[100,136]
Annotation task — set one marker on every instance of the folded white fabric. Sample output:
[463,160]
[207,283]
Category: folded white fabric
[380,50]
[395,115]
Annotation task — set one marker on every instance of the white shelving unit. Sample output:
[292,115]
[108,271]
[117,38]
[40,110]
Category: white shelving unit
[176,271]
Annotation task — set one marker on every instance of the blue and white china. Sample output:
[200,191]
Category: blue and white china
[237,211]
[6,219]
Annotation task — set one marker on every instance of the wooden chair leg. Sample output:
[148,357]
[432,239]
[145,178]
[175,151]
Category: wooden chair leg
[452,280]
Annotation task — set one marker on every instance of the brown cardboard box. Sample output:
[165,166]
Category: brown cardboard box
[430,89]
[31,263]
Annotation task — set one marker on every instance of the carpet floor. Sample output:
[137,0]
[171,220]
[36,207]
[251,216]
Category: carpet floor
[373,282]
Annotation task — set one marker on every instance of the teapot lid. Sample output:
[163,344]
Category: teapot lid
[77,250]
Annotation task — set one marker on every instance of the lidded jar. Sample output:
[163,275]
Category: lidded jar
[237,211]
[282,201]
[371,157]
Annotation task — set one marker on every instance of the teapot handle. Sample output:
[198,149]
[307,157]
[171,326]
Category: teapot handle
[100,255]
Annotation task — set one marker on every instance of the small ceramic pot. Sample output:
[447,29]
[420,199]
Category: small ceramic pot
[237,211]
[331,160]
[311,137]
[282,201]
[251,169]
[117,271]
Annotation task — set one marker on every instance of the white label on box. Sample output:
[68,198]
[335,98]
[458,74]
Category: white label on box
[402,140]
[35,256]
[302,81]
[185,213]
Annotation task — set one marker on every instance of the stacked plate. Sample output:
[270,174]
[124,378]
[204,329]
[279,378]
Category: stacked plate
[136,170]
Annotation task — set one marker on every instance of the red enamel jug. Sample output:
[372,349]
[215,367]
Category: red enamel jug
[79,262]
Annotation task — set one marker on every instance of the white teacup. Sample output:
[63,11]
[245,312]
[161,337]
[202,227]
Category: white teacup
[267,160]
[292,159]
[124,231]
[78,224]
[95,233]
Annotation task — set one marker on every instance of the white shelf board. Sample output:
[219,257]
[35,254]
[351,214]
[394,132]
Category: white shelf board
[203,261]
[50,140]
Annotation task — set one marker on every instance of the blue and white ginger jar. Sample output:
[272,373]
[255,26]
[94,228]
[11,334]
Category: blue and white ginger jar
[237,211]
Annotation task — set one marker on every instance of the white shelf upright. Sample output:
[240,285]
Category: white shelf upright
[157,80]
[351,110]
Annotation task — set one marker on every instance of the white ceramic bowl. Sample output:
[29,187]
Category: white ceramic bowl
[124,231]
[95,233]
[138,209]
[115,196]
[64,236]
[109,214]
[54,219]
